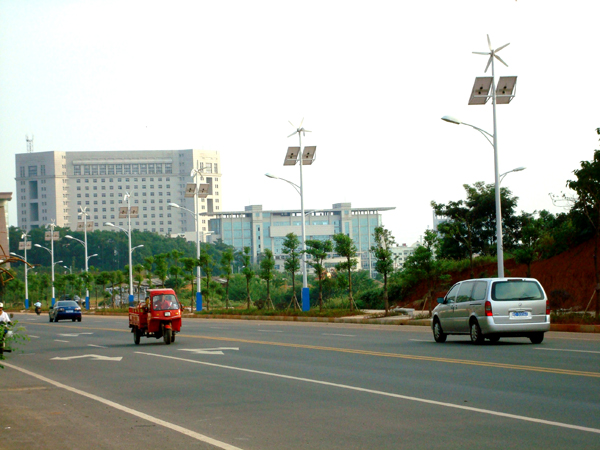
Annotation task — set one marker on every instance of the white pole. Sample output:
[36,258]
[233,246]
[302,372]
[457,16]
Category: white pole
[52,260]
[305,292]
[26,287]
[87,291]
[499,246]
[130,258]
[198,270]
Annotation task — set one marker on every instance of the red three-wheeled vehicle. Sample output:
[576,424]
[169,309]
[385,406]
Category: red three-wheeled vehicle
[159,316]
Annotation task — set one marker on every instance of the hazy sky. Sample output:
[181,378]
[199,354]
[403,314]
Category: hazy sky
[371,80]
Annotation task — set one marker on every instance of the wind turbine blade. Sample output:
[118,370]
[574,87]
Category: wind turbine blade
[500,48]
[300,126]
[291,124]
[488,64]
[500,59]
[292,134]
[481,53]
[489,42]
[307,131]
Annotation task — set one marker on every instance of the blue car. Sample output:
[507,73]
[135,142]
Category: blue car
[65,309]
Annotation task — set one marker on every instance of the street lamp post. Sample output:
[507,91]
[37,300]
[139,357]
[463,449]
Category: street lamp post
[26,245]
[87,258]
[502,93]
[198,273]
[128,212]
[305,157]
[51,251]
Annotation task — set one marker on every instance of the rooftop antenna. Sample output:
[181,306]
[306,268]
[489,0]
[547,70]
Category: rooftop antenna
[29,143]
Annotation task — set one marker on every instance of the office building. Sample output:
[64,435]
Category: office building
[260,229]
[52,186]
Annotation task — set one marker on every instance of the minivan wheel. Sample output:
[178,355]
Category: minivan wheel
[536,338]
[476,336]
[438,333]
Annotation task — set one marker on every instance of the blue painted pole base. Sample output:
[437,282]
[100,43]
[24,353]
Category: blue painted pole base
[26,303]
[87,303]
[305,299]
[198,301]
[53,301]
[130,299]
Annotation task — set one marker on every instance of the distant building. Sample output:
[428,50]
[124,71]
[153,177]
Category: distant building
[401,252]
[261,229]
[5,197]
[53,185]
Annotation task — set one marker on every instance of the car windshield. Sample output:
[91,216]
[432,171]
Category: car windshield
[517,290]
[163,302]
[67,304]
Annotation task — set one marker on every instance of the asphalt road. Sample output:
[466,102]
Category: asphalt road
[280,385]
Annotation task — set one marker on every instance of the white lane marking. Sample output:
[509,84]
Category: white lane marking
[133,412]
[335,334]
[566,350]
[73,334]
[94,357]
[208,351]
[271,331]
[58,340]
[421,340]
[99,346]
[387,394]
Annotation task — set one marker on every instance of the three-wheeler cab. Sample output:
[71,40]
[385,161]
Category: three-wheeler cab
[158,316]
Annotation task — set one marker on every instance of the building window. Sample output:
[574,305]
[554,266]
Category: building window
[32,171]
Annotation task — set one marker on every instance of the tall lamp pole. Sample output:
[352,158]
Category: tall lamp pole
[502,93]
[87,258]
[127,211]
[306,157]
[25,245]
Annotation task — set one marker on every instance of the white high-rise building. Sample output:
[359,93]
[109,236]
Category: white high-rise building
[52,186]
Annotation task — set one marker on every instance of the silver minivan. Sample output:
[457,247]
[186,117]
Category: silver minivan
[490,308]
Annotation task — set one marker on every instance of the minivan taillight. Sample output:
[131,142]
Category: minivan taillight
[547,307]
[488,309]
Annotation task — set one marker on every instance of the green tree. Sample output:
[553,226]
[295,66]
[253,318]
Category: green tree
[248,274]
[587,189]
[267,267]
[291,248]
[345,247]
[148,265]
[384,259]
[207,265]
[162,267]
[227,258]
[422,265]
[319,250]
[190,266]
[138,277]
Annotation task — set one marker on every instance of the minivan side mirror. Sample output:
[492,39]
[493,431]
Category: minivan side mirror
[441,300]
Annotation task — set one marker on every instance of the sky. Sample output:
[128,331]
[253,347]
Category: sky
[370,80]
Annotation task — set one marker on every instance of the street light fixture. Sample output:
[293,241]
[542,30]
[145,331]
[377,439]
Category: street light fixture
[503,93]
[87,258]
[518,169]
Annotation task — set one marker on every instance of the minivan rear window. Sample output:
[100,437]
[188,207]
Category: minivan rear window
[516,290]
